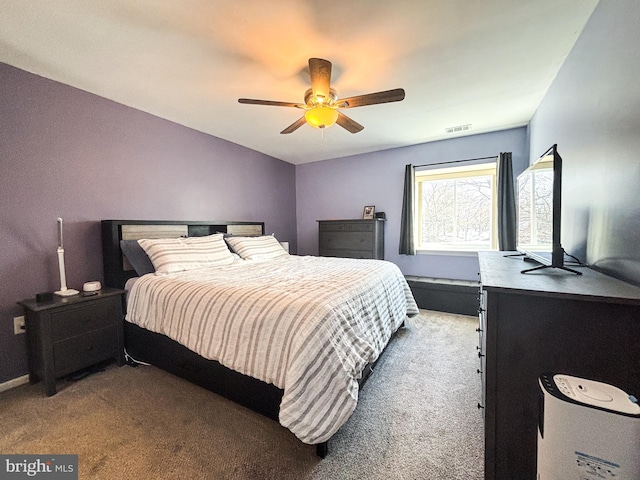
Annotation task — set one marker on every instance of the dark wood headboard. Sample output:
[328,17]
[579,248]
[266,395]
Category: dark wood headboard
[116,268]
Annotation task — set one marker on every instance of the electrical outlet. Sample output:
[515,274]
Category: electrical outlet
[18,325]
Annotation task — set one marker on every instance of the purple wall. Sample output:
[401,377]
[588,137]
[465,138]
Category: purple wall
[340,188]
[592,112]
[67,153]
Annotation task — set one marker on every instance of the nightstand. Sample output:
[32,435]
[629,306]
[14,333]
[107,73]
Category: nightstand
[67,334]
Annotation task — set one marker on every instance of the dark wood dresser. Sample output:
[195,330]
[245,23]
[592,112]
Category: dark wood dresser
[351,238]
[67,334]
[550,321]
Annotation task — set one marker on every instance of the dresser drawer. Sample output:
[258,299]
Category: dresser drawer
[361,254]
[83,318]
[346,227]
[346,241]
[84,350]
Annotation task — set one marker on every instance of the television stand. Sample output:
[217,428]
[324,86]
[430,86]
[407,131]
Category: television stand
[587,326]
[541,267]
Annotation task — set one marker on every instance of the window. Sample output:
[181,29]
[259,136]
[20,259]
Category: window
[456,208]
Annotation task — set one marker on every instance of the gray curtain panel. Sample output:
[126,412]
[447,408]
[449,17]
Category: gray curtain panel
[506,204]
[407,246]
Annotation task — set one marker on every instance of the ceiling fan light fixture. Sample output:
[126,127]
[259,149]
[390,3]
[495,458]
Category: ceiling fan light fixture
[321,117]
[321,101]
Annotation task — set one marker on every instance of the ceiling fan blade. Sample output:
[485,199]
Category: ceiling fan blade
[294,126]
[320,71]
[348,124]
[395,95]
[272,103]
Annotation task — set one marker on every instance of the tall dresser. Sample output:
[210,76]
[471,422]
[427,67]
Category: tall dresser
[550,321]
[351,238]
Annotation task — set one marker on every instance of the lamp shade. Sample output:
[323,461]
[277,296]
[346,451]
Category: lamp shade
[321,117]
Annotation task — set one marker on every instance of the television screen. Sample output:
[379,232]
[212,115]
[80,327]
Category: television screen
[535,210]
[538,214]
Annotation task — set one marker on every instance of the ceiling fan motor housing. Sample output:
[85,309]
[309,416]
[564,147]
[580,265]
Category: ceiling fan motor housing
[314,101]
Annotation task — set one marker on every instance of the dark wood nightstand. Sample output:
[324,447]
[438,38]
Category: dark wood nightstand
[67,334]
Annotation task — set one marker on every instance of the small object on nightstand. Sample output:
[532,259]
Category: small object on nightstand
[91,287]
[44,297]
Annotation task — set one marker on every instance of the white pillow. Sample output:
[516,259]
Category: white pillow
[170,255]
[256,248]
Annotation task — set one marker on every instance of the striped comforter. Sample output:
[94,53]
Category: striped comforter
[308,325]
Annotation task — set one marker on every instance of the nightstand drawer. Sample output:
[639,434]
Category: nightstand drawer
[84,350]
[82,319]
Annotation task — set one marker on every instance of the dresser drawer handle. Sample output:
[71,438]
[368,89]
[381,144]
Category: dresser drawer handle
[480,406]
[480,355]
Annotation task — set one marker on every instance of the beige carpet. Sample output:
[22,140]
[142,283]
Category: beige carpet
[416,419]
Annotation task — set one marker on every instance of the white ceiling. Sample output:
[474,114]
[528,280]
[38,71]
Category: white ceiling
[485,63]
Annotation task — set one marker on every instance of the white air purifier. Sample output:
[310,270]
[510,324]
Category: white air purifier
[587,431]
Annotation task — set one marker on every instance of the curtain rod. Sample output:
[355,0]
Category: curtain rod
[455,161]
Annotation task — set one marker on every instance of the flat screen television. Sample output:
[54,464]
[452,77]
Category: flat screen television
[539,200]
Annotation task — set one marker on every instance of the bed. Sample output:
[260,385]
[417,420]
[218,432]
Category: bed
[290,337]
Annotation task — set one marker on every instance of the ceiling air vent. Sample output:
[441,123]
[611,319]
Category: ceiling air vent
[459,128]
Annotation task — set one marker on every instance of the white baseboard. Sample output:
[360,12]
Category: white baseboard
[16,382]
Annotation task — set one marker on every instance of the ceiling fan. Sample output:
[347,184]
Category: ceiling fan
[322,104]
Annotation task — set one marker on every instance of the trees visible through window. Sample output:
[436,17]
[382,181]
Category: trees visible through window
[535,208]
[456,208]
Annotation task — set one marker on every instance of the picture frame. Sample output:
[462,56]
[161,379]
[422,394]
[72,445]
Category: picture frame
[369,212]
